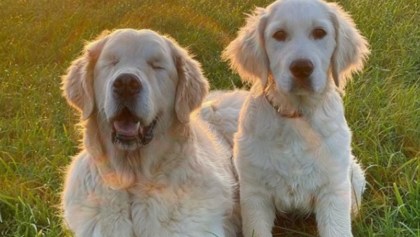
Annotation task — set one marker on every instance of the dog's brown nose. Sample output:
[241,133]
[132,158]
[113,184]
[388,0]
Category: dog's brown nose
[126,85]
[301,68]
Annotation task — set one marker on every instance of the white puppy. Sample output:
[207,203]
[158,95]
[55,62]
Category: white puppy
[149,165]
[292,149]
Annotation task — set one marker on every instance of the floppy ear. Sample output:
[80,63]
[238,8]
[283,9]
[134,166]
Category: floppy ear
[78,82]
[192,85]
[246,53]
[351,47]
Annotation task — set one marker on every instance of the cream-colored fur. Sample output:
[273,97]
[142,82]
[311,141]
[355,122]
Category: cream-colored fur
[301,163]
[180,183]
[221,110]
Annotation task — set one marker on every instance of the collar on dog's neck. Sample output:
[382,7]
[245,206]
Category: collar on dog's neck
[281,112]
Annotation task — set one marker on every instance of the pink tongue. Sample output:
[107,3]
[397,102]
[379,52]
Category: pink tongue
[127,128]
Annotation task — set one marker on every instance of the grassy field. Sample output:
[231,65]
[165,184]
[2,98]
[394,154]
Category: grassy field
[39,38]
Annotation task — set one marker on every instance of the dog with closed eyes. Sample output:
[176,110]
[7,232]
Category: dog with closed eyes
[292,150]
[150,165]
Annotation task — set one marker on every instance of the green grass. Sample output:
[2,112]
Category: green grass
[39,38]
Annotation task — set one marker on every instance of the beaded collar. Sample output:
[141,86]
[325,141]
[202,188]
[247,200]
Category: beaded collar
[292,115]
[280,111]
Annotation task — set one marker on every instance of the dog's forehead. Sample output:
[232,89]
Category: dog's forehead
[296,12]
[144,42]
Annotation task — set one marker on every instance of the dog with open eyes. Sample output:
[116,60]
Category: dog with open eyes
[150,165]
[292,150]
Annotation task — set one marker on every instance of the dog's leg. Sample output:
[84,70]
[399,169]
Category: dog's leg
[90,208]
[258,211]
[88,219]
[332,209]
[358,183]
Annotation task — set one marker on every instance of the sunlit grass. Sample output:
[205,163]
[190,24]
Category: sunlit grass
[39,38]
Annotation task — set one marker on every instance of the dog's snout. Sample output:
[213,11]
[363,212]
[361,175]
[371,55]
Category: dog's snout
[126,85]
[301,68]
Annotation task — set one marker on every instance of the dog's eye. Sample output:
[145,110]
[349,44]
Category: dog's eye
[114,61]
[319,33]
[280,35]
[155,66]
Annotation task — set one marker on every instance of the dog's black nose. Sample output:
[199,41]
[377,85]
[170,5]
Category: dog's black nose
[301,68]
[126,85]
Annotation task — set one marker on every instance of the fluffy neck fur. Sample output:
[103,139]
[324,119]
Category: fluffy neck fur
[121,169]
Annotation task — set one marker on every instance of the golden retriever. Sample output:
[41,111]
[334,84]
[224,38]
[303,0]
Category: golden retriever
[150,166]
[292,149]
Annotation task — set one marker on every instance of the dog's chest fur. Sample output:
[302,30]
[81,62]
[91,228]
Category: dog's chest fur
[156,206]
[173,202]
[294,158]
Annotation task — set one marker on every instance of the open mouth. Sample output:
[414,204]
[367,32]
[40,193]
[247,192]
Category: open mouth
[129,130]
